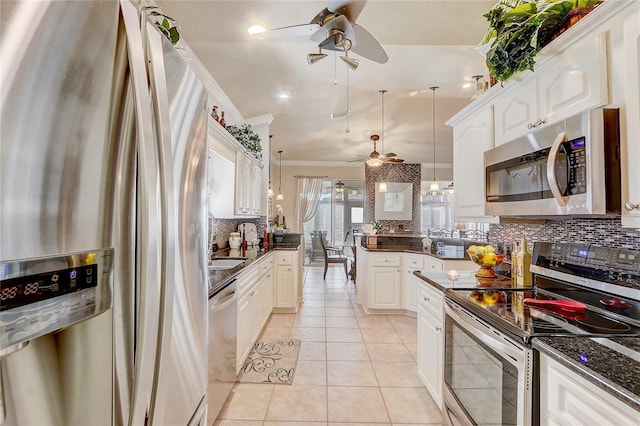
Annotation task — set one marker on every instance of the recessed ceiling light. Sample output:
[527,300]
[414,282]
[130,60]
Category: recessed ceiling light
[256,29]
[284,94]
[467,85]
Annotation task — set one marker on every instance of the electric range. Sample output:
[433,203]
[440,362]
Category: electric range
[565,272]
[489,329]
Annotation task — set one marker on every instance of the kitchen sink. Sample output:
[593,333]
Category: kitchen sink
[222,263]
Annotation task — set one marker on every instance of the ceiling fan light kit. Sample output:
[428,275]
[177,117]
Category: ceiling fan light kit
[335,28]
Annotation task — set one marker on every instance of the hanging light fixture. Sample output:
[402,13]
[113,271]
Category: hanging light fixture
[382,186]
[270,190]
[434,183]
[374,158]
[339,187]
[280,197]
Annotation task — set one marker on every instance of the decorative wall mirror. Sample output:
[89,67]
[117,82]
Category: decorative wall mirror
[396,203]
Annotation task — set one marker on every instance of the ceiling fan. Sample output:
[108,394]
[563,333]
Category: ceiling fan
[334,28]
[377,159]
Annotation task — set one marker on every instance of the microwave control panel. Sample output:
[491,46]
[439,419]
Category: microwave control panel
[576,153]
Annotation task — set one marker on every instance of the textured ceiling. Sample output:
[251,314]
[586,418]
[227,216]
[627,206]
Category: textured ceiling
[429,43]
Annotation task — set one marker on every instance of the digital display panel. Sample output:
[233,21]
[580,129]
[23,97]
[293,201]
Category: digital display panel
[578,143]
[29,289]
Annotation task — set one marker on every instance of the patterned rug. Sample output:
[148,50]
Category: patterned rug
[271,361]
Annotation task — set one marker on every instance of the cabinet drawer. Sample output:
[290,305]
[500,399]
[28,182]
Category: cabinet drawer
[385,260]
[415,262]
[284,258]
[431,301]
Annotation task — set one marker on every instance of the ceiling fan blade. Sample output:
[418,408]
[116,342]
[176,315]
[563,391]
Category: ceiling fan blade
[390,155]
[367,46]
[394,160]
[350,9]
[303,30]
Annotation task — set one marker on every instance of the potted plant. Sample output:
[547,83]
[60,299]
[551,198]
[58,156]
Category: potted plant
[518,29]
[247,138]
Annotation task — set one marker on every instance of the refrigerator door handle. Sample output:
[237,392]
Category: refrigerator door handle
[148,276]
[160,101]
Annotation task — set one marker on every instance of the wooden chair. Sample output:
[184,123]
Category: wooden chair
[333,255]
[317,250]
[439,233]
[473,234]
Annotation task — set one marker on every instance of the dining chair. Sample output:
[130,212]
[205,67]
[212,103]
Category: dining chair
[334,255]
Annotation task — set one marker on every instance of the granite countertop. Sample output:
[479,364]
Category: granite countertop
[408,249]
[612,364]
[218,279]
[440,280]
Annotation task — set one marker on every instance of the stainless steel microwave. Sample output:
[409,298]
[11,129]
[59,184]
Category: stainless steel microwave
[568,168]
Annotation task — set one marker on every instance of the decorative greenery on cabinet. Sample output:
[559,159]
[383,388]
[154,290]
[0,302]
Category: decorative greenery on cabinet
[518,29]
[248,138]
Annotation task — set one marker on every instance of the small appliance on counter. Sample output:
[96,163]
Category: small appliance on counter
[235,241]
[250,233]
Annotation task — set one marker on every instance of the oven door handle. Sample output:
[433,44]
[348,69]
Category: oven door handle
[483,333]
[551,170]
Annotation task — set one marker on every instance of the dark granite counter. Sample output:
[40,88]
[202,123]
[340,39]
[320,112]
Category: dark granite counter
[218,279]
[612,364]
[408,249]
[440,280]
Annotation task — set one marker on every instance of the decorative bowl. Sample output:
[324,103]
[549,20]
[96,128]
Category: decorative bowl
[486,261]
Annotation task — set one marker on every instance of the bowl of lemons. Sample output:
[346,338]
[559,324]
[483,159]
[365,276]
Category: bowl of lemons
[486,257]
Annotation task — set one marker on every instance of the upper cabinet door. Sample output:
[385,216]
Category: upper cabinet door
[516,111]
[575,81]
[471,138]
[630,149]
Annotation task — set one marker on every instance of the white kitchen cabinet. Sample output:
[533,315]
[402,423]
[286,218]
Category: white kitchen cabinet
[566,398]
[630,149]
[472,136]
[430,361]
[286,281]
[384,288]
[248,200]
[409,286]
[255,301]
[220,185]
[383,281]
[573,82]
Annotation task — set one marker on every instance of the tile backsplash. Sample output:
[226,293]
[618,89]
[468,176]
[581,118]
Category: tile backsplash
[597,232]
[220,229]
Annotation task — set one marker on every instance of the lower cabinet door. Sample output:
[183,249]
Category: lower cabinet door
[285,287]
[430,354]
[385,288]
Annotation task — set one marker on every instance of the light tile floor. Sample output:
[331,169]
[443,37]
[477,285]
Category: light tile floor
[353,368]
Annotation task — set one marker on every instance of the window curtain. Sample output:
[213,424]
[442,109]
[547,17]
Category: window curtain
[309,190]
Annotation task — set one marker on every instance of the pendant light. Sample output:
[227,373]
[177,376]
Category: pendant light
[339,187]
[382,187]
[270,193]
[434,183]
[280,197]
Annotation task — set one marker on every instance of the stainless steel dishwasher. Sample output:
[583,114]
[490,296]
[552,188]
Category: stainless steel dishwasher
[223,307]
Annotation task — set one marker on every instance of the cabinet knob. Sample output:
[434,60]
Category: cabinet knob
[540,122]
[629,206]
[438,329]
[530,125]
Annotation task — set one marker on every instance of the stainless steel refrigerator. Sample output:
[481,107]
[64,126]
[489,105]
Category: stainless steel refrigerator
[103,308]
